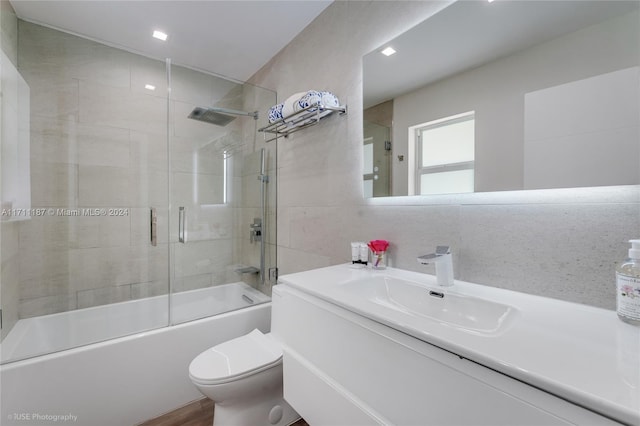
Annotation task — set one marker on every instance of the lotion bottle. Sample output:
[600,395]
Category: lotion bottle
[628,286]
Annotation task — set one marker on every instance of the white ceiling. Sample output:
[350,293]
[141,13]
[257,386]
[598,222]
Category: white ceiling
[230,38]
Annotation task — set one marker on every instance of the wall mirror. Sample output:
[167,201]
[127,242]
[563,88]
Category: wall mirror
[505,95]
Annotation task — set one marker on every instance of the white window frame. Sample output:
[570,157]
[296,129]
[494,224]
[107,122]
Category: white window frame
[415,136]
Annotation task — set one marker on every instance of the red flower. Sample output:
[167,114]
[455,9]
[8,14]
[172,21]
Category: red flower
[378,246]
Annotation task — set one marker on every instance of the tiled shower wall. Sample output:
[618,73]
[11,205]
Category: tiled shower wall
[558,243]
[99,141]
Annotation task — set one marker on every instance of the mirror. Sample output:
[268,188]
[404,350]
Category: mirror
[505,95]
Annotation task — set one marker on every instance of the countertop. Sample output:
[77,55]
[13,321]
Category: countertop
[580,353]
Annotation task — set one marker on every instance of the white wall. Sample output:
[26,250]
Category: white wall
[558,243]
[583,133]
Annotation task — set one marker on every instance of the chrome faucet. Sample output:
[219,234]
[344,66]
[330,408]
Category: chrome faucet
[444,265]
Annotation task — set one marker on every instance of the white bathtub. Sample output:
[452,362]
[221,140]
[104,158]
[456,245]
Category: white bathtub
[125,380]
[51,333]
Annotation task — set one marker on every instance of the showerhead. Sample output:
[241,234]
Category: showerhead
[218,116]
[209,116]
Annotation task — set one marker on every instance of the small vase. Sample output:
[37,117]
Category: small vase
[379,259]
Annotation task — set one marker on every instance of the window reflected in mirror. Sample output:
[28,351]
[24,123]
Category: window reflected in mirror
[442,161]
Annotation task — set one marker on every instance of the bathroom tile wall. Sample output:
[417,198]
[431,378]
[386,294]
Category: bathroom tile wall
[9,237]
[99,141]
[88,137]
[557,243]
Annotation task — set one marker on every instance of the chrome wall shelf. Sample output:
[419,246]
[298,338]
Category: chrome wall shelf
[307,117]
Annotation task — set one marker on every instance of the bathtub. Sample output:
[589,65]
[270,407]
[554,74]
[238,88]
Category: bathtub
[52,333]
[119,380]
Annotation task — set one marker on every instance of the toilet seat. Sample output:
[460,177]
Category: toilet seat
[235,359]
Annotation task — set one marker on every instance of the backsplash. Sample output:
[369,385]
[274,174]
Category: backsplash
[556,243]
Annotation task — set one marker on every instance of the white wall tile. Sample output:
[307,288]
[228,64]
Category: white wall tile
[102,231]
[50,232]
[54,185]
[44,272]
[52,96]
[103,146]
[148,188]
[103,296]
[149,289]
[104,105]
[54,140]
[101,186]
[46,305]
[192,282]
[201,257]
[103,267]
[148,151]
[561,251]
[148,71]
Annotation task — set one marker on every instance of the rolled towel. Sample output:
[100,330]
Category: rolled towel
[312,97]
[302,100]
[275,113]
[288,107]
[328,99]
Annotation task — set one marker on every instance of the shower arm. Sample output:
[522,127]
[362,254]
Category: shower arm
[234,112]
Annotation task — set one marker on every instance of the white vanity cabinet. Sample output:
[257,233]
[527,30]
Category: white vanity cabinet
[341,368]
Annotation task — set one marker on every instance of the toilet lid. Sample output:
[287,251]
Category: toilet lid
[235,358]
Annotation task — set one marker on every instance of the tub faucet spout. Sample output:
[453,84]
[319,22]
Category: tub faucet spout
[444,265]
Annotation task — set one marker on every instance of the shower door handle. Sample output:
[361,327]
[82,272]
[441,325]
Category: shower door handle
[154,227]
[182,221]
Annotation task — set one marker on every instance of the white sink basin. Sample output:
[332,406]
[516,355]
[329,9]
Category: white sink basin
[435,303]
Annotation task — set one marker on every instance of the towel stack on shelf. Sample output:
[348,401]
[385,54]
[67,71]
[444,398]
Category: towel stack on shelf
[301,100]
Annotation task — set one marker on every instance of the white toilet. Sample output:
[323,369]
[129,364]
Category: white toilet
[243,377]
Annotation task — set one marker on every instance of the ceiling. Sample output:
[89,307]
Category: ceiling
[230,38]
[468,34]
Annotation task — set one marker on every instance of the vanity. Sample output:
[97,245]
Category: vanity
[392,347]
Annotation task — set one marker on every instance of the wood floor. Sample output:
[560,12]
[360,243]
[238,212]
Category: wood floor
[198,413]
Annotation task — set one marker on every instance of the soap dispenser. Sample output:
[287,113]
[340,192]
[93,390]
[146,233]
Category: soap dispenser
[628,286]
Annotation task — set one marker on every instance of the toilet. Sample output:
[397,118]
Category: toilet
[243,377]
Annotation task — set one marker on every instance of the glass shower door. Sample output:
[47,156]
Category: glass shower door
[212,126]
[77,263]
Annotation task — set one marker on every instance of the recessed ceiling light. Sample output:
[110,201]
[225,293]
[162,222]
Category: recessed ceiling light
[160,35]
[150,87]
[388,51]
